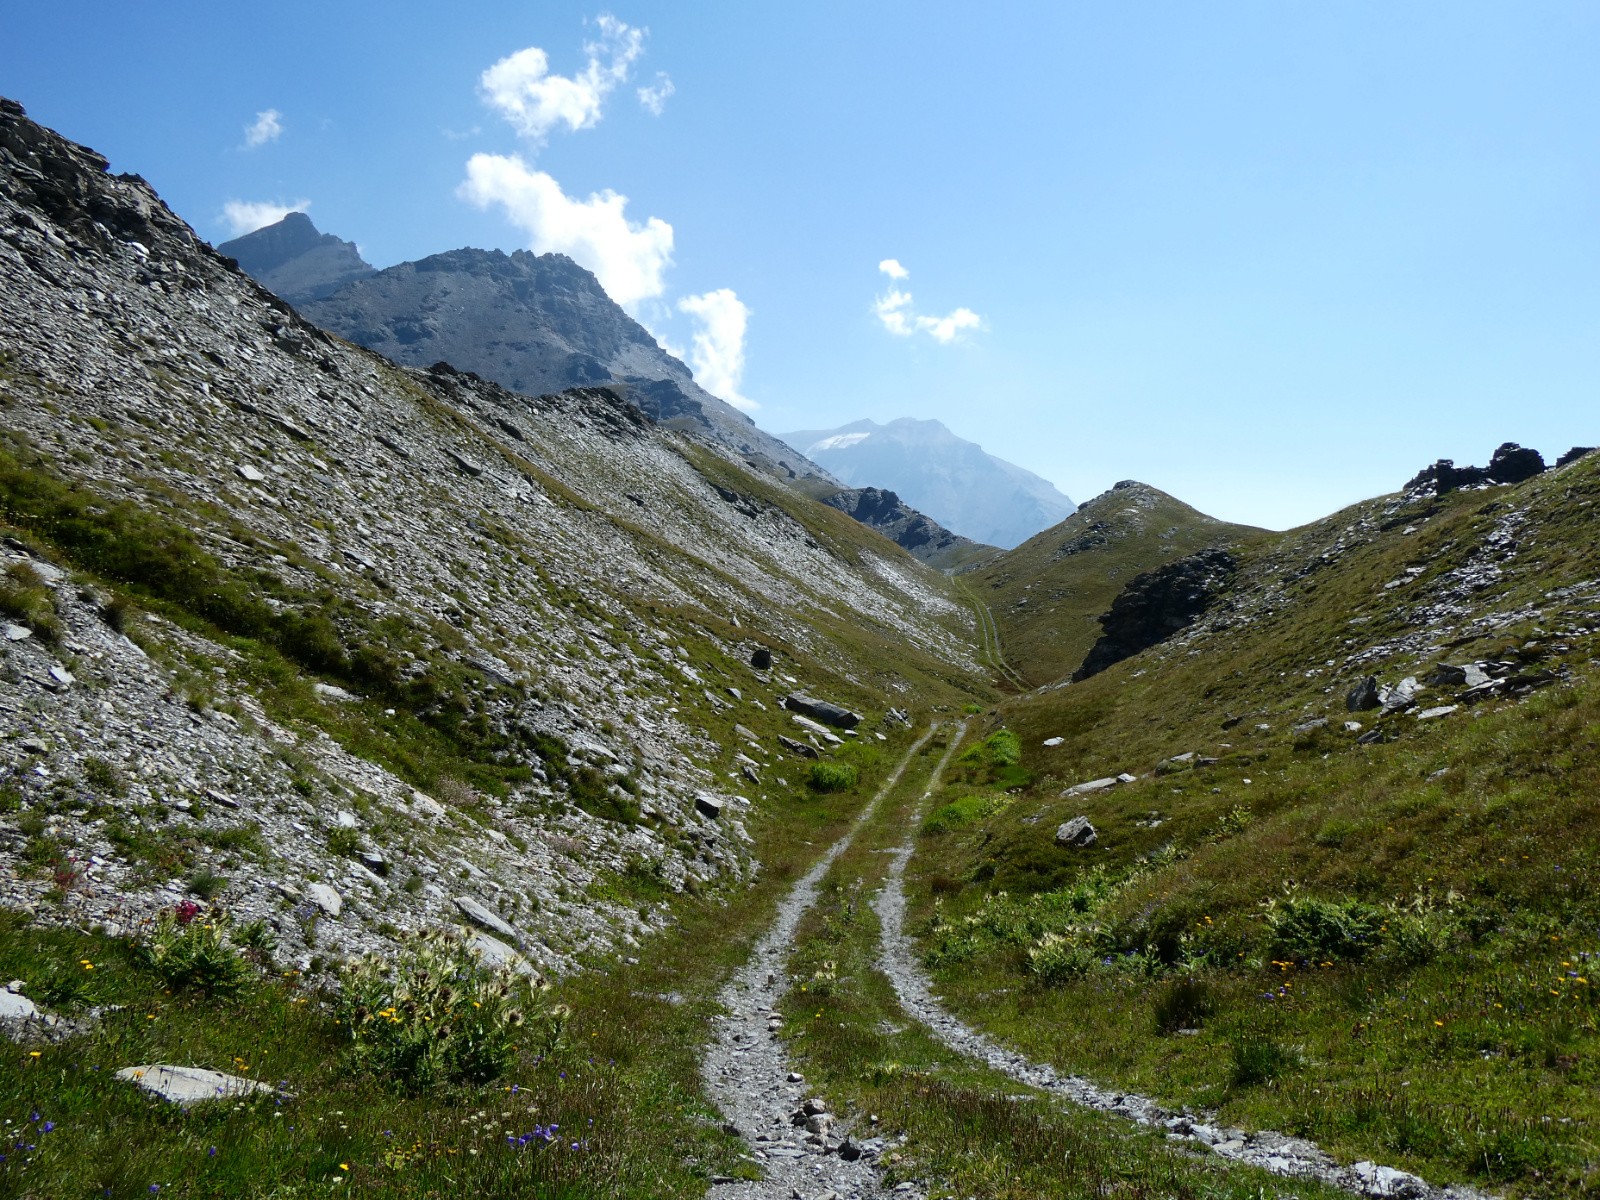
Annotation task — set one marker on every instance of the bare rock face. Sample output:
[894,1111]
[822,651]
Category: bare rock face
[535,323]
[903,525]
[1510,463]
[295,260]
[1158,604]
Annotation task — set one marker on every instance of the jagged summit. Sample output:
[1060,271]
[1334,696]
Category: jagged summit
[537,323]
[295,260]
[951,479]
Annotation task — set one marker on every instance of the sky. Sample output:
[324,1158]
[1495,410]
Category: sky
[1272,257]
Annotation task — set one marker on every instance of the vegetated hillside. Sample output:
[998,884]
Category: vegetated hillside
[537,323]
[1049,593]
[355,649]
[954,481]
[292,259]
[1339,873]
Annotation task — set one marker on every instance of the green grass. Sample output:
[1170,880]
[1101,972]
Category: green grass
[969,1131]
[624,1083]
[1047,594]
[1388,947]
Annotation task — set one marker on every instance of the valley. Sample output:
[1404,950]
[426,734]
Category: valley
[497,766]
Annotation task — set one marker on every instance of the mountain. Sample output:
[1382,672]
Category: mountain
[1049,593]
[305,654]
[952,480]
[260,585]
[537,323]
[294,260]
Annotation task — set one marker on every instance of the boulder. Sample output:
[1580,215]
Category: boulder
[1363,696]
[501,957]
[1077,833]
[1374,1180]
[708,805]
[1402,695]
[1432,714]
[1309,726]
[800,748]
[761,658]
[1573,455]
[1094,785]
[485,918]
[1513,463]
[821,710]
[325,898]
[191,1085]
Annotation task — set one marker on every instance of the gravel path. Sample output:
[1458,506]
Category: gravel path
[750,1077]
[1275,1152]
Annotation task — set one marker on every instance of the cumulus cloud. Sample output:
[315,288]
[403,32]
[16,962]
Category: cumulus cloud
[896,313]
[654,96]
[717,350]
[628,259]
[246,216]
[522,89]
[267,127]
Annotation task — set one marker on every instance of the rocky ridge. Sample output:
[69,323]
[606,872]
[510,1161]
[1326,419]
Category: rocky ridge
[296,261]
[537,323]
[554,589]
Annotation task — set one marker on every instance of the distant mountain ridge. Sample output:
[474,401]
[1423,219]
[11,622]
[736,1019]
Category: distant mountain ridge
[297,261]
[534,323]
[952,480]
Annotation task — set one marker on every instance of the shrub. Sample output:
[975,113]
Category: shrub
[962,812]
[346,843]
[103,776]
[1055,958]
[195,954]
[206,883]
[834,776]
[1184,1003]
[1304,927]
[1257,1058]
[438,1014]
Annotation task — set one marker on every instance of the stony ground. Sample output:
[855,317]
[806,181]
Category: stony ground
[792,1136]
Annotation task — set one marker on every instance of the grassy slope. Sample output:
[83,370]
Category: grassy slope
[625,1084]
[1048,593]
[1457,1033]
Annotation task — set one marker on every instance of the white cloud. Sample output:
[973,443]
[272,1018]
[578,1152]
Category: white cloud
[246,216]
[893,309]
[267,127]
[717,352]
[627,258]
[522,89]
[945,329]
[896,313]
[654,97]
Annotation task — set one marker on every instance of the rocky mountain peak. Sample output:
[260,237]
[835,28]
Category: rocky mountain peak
[295,260]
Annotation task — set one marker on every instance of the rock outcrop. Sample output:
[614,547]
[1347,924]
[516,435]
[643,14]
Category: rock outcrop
[919,535]
[1157,605]
[1510,463]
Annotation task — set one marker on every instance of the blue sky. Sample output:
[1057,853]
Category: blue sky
[1272,257]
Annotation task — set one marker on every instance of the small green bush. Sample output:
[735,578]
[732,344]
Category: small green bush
[206,884]
[1257,1058]
[103,776]
[437,1014]
[834,776]
[1055,958]
[1184,1003]
[1309,928]
[196,955]
[346,843]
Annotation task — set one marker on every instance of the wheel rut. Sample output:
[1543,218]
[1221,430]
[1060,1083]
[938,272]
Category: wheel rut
[748,1072]
[1275,1152]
